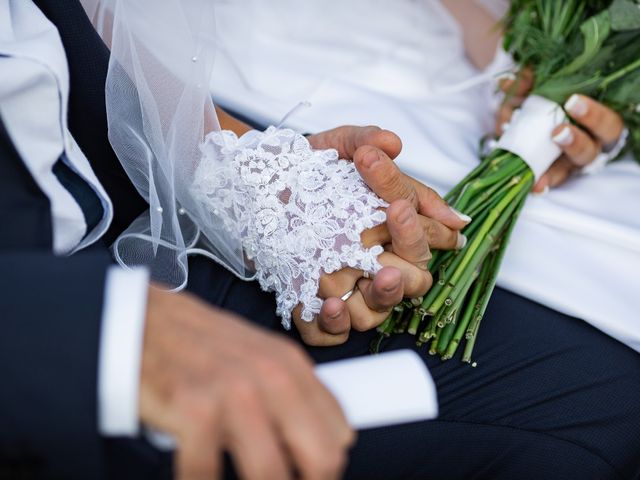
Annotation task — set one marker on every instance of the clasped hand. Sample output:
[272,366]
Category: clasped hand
[417,219]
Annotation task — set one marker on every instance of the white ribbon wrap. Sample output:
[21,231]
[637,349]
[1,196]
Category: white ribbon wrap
[529,134]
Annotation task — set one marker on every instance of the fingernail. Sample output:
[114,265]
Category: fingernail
[370,158]
[543,192]
[462,241]
[506,76]
[576,106]
[461,216]
[564,137]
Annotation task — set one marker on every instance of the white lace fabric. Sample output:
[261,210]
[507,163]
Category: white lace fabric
[299,212]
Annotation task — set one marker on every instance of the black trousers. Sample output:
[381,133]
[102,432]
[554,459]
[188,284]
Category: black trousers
[551,397]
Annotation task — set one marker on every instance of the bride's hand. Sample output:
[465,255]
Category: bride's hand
[354,301]
[598,127]
[406,234]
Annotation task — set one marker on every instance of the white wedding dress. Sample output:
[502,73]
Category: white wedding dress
[401,64]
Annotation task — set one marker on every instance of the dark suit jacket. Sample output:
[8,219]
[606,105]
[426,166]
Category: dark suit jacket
[50,308]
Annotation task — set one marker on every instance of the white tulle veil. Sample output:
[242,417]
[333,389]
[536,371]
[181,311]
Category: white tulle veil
[159,110]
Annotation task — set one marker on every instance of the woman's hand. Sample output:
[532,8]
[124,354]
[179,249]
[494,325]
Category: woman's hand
[407,236]
[598,127]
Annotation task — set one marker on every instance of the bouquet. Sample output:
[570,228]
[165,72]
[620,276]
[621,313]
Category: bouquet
[572,46]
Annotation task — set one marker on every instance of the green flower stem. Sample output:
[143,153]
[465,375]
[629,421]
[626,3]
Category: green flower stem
[495,191]
[434,344]
[445,338]
[481,242]
[416,319]
[619,74]
[472,330]
[468,313]
[449,197]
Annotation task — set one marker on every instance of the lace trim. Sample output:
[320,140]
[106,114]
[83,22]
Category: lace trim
[298,211]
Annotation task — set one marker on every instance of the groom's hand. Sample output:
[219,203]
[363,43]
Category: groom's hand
[407,233]
[218,384]
[373,150]
[404,274]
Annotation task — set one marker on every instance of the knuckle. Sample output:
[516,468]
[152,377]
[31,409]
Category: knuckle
[428,282]
[276,373]
[421,282]
[242,390]
[431,231]
[200,412]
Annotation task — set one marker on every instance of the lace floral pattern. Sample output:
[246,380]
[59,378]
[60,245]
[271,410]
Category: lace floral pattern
[298,211]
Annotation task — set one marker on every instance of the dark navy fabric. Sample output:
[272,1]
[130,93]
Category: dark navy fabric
[88,60]
[81,191]
[551,397]
[25,212]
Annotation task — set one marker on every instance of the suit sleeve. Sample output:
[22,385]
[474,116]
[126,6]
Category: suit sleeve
[50,314]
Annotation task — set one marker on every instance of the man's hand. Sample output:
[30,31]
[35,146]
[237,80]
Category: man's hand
[404,274]
[217,384]
[373,150]
[598,127]
[407,234]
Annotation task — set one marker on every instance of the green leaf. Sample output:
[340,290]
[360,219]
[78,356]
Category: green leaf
[594,32]
[625,91]
[559,89]
[625,15]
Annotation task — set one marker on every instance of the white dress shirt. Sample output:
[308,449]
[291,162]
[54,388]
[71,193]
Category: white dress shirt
[34,92]
[403,66]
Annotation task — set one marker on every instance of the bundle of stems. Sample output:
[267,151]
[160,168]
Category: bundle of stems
[573,46]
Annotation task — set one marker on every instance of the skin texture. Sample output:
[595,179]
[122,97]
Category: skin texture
[218,384]
[408,234]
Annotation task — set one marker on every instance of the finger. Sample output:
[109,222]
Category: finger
[432,205]
[383,176]
[559,172]
[313,335]
[313,426]
[439,236]
[338,283]
[555,176]
[520,86]
[348,139]
[198,456]
[503,117]
[334,318]
[252,441]
[378,235]
[363,318]
[409,238]
[577,145]
[415,281]
[384,292]
[389,183]
[602,122]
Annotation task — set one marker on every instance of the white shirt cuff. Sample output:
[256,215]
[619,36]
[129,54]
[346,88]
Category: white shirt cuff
[122,332]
